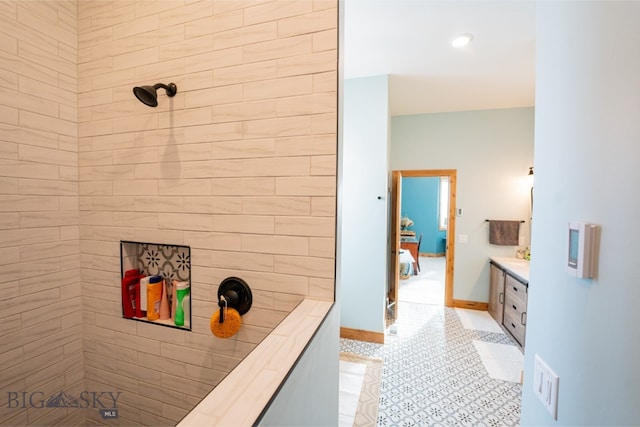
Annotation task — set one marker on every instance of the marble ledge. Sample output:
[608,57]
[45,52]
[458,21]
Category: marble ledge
[240,398]
[518,267]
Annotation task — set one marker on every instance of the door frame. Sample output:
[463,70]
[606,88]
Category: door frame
[451,227]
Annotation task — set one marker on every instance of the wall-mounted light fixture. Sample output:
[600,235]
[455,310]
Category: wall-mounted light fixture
[148,95]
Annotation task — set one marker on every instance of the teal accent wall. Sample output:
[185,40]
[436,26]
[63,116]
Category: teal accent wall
[420,202]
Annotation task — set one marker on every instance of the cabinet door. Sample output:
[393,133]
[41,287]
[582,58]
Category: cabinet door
[496,293]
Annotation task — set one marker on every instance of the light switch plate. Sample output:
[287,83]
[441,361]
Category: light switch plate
[545,386]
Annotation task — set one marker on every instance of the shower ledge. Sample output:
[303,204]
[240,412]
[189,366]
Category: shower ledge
[257,378]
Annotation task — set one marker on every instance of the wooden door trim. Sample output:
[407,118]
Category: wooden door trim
[451,229]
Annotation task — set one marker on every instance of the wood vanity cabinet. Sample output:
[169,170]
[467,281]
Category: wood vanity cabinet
[508,302]
[496,293]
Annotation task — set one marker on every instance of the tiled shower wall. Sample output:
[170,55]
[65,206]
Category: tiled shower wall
[240,165]
[40,301]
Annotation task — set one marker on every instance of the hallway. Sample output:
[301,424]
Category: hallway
[433,372]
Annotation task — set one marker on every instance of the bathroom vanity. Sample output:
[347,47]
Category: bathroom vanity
[509,285]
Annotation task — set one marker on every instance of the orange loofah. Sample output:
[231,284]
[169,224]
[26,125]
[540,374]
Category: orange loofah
[230,326]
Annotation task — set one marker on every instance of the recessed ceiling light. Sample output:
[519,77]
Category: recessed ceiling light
[461,40]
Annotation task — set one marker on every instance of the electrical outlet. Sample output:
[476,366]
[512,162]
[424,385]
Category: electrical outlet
[545,386]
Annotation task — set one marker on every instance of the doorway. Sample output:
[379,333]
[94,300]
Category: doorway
[395,235]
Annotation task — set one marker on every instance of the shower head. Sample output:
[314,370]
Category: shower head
[148,96]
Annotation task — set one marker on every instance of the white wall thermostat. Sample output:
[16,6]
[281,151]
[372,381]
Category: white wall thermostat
[582,250]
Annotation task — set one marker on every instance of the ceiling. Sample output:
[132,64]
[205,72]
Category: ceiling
[409,40]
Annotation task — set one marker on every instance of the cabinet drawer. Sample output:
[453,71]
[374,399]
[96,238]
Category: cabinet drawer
[514,326]
[515,292]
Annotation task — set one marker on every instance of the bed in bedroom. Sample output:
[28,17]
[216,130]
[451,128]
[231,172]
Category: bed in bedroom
[406,264]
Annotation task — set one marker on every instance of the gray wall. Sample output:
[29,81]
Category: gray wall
[492,151]
[586,155]
[309,396]
[364,215]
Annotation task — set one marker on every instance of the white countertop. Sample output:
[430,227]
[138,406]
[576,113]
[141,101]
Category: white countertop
[518,267]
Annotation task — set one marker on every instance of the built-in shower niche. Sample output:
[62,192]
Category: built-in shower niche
[156,283]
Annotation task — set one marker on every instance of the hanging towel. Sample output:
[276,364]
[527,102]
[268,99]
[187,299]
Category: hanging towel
[504,233]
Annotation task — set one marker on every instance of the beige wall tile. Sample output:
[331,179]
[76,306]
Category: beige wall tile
[32,99]
[213,96]
[184,187]
[278,282]
[307,64]
[244,111]
[322,247]
[9,221]
[220,241]
[213,205]
[325,82]
[136,187]
[305,226]
[323,206]
[307,104]
[288,86]
[140,25]
[244,73]
[245,35]
[324,165]
[241,261]
[325,40]
[276,205]
[243,224]
[9,115]
[275,10]
[29,170]
[209,60]
[8,150]
[161,36]
[195,222]
[324,123]
[282,166]
[307,266]
[313,185]
[306,145]
[186,13]
[213,132]
[47,124]
[279,48]
[243,149]
[214,23]
[284,126]
[212,169]
[29,153]
[243,186]
[38,54]
[8,79]
[310,23]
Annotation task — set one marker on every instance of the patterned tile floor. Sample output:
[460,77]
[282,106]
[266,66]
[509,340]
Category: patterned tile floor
[433,374]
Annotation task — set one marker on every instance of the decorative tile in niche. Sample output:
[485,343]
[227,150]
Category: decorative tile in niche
[169,261]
